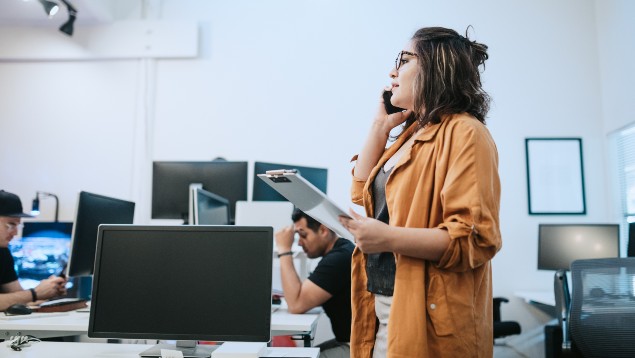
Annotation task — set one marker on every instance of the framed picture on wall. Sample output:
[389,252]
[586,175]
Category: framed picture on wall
[555,176]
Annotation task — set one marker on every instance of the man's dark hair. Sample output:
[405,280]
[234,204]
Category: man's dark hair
[311,223]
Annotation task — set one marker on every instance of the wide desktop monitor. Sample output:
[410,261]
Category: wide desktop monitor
[92,211]
[171,182]
[184,283]
[263,192]
[561,244]
[41,251]
[208,208]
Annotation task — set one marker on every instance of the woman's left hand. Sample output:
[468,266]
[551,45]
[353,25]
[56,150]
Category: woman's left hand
[371,235]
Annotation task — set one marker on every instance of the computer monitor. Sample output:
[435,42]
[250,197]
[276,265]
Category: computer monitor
[184,283]
[41,251]
[208,208]
[560,244]
[263,192]
[171,181]
[630,249]
[92,211]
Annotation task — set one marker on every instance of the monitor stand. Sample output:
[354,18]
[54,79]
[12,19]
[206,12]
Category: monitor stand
[188,348]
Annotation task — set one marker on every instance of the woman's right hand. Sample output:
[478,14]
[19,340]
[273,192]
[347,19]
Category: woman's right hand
[377,139]
[386,122]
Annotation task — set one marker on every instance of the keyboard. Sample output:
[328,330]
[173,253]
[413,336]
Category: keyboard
[61,302]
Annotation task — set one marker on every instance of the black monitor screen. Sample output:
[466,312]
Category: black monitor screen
[42,250]
[92,211]
[630,247]
[560,244]
[210,209]
[263,192]
[182,283]
[171,182]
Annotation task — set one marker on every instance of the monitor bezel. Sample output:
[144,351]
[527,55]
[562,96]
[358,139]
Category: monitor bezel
[169,336]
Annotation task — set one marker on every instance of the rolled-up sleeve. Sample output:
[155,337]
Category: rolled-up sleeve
[357,186]
[471,202]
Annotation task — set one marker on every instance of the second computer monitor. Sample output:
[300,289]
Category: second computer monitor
[263,192]
[209,208]
[561,244]
[92,211]
[171,182]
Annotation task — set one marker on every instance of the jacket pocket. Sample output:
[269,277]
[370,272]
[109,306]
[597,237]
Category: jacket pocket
[437,308]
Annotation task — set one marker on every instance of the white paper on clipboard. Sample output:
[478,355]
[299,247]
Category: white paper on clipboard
[307,198]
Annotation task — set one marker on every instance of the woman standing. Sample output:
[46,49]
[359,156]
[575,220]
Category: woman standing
[421,272]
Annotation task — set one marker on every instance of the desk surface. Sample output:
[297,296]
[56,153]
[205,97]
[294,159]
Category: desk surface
[76,323]
[88,350]
[542,297]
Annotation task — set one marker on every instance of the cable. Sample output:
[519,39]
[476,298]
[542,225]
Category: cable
[18,342]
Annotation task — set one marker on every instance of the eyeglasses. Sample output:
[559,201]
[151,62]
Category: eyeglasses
[400,61]
[12,226]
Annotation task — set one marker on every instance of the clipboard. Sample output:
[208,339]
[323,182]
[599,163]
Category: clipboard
[307,198]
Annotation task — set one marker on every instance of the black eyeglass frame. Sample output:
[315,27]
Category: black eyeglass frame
[400,55]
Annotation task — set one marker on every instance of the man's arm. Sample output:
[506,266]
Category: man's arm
[12,292]
[300,296]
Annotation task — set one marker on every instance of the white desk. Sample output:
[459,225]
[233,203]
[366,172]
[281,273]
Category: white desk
[76,323]
[72,324]
[543,300]
[113,350]
[542,297]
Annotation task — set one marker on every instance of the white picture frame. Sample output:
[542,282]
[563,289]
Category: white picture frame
[555,176]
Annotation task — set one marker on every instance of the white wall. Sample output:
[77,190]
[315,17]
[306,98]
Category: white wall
[297,82]
[616,49]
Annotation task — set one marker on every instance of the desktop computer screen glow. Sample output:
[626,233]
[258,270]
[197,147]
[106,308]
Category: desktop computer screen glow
[41,251]
[561,244]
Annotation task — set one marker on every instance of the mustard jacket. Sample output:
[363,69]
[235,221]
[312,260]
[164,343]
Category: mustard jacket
[448,180]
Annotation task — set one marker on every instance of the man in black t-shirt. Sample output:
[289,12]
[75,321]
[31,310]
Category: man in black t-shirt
[329,285]
[10,289]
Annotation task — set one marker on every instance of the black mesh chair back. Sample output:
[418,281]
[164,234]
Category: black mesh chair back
[602,316]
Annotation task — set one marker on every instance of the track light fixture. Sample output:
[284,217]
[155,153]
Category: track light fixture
[50,7]
[67,27]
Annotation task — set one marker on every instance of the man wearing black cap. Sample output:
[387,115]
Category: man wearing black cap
[11,291]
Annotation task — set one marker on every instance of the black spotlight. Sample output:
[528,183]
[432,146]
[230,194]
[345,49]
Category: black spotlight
[50,7]
[67,27]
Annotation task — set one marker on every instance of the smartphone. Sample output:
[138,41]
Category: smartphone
[390,109]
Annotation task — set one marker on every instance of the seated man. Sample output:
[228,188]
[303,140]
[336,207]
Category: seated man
[11,291]
[329,285]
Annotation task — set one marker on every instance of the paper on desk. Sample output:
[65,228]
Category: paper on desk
[169,353]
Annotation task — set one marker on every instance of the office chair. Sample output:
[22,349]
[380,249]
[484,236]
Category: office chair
[598,318]
[503,328]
